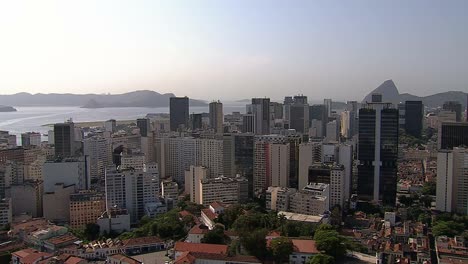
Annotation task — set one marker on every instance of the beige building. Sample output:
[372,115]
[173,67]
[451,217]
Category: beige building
[337,186]
[57,203]
[223,189]
[169,189]
[312,200]
[26,198]
[277,198]
[86,207]
[192,182]
[279,164]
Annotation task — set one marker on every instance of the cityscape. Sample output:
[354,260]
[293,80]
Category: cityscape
[234,132]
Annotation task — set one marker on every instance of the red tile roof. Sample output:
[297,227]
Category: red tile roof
[226,258]
[74,260]
[29,255]
[126,259]
[199,229]
[63,239]
[212,216]
[200,247]
[142,241]
[305,246]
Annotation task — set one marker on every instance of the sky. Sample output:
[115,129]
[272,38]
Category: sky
[233,49]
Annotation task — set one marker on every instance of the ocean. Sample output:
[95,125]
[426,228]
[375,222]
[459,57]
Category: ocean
[34,119]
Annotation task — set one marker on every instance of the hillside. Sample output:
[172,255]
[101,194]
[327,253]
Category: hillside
[142,98]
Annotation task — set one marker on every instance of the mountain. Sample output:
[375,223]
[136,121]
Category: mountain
[388,90]
[141,98]
[390,93]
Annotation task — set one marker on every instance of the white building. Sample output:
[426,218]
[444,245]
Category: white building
[337,186]
[132,190]
[312,200]
[169,189]
[277,198]
[193,176]
[345,158]
[132,160]
[69,171]
[309,153]
[332,132]
[452,181]
[115,220]
[223,189]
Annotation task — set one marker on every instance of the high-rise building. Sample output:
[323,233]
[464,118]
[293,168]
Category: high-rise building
[452,181]
[85,208]
[56,203]
[328,106]
[378,152]
[193,176]
[179,113]
[332,132]
[260,108]
[262,168]
[320,113]
[299,114]
[279,164]
[337,186]
[248,123]
[27,198]
[196,122]
[276,110]
[144,124]
[64,139]
[131,189]
[30,139]
[100,155]
[110,125]
[414,112]
[452,135]
[6,216]
[216,116]
[70,171]
[238,156]
[454,106]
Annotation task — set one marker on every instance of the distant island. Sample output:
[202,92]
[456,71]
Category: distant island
[141,98]
[4,108]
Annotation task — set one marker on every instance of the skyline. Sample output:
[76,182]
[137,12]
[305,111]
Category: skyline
[233,50]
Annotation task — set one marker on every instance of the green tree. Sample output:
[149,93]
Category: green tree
[321,259]
[429,188]
[281,248]
[255,243]
[91,231]
[215,236]
[230,215]
[447,228]
[329,241]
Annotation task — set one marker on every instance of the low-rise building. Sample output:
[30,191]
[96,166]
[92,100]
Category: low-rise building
[122,259]
[114,220]
[28,256]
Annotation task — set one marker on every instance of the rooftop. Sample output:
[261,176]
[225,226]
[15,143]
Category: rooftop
[200,247]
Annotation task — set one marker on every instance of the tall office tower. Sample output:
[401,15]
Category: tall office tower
[100,155]
[378,152]
[193,176]
[64,139]
[401,112]
[288,101]
[332,132]
[262,158]
[299,114]
[110,125]
[279,164]
[132,190]
[30,139]
[452,135]
[179,113]
[238,156]
[309,153]
[452,183]
[196,121]
[345,158]
[144,124]
[319,112]
[211,156]
[216,116]
[69,171]
[328,106]
[248,123]
[414,112]
[454,106]
[260,108]
[85,208]
[276,110]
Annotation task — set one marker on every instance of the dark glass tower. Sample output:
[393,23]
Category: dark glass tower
[414,111]
[453,135]
[144,125]
[454,106]
[261,110]
[64,139]
[179,113]
[378,145]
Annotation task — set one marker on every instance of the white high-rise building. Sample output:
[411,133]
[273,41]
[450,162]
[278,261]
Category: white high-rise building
[132,189]
[100,155]
[337,186]
[69,171]
[332,132]
[262,170]
[345,158]
[132,160]
[452,181]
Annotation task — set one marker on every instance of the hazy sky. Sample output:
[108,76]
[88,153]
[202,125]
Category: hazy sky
[233,49]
